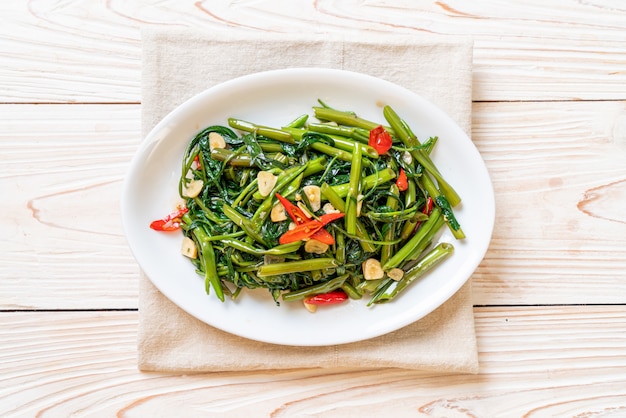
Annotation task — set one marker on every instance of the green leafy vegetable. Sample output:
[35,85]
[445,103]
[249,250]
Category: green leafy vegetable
[233,221]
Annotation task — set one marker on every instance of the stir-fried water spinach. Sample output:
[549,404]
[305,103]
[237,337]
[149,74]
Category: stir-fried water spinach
[320,211]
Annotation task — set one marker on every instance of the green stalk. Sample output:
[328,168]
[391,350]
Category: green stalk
[351,291]
[420,155]
[245,193]
[332,151]
[443,204]
[340,248]
[428,237]
[296,266]
[353,192]
[397,216]
[315,166]
[410,197]
[446,210]
[187,219]
[430,260]
[344,132]
[416,240]
[346,118]
[250,249]
[325,128]
[232,158]
[298,122]
[211,277]
[292,187]
[341,142]
[317,289]
[243,223]
[338,203]
[386,251]
[266,131]
[369,182]
[350,145]
[208,212]
[270,146]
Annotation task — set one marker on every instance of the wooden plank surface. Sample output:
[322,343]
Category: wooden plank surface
[61,237]
[560,234]
[67,51]
[555,361]
[549,119]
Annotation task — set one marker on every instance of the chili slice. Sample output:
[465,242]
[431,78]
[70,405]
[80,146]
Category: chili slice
[170,223]
[330,298]
[427,209]
[380,140]
[323,236]
[301,232]
[402,181]
[309,228]
[296,214]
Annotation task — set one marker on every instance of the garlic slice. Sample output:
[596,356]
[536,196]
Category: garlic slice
[194,188]
[278,213]
[316,247]
[189,248]
[216,141]
[266,182]
[396,274]
[314,194]
[372,270]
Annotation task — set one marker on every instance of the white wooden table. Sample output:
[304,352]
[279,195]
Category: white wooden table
[549,118]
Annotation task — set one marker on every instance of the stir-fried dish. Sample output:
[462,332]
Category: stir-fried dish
[319,211]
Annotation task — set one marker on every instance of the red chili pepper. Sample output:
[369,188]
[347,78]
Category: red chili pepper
[329,217]
[197,161]
[402,181]
[296,214]
[380,140]
[310,228]
[300,232]
[323,236]
[330,298]
[170,223]
[312,231]
[428,207]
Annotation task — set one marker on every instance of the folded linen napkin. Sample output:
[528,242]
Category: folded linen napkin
[179,63]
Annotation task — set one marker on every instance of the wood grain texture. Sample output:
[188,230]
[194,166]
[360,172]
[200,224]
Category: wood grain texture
[559,174]
[66,51]
[560,361]
[560,233]
[61,238]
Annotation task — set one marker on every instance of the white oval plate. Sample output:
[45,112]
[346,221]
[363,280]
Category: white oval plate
[274,98]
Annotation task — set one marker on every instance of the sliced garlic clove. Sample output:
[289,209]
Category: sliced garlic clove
[315,247]
[314,195]
[372,270]
[278,213]
[216,141]
[189,248]
[310,307]
[396,274]
[194,188]
[266,182]
[329,208]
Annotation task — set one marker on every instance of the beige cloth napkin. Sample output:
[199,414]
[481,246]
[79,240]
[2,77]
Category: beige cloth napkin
[177,64]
